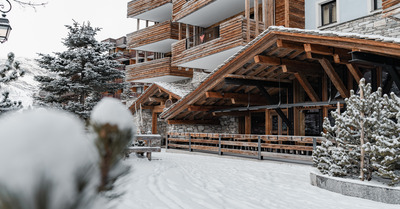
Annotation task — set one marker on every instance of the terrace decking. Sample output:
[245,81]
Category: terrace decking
[151,71]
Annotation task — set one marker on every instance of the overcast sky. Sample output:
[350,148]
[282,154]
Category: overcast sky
[41,31]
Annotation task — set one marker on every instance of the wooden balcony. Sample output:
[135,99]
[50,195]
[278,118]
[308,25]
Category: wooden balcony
[156,70]
[209,53]
[156,38]
[154,10]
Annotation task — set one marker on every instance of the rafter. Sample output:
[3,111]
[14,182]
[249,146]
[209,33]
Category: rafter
[257,78]
[307,87]
[330,71]
[248,82]
[355,72]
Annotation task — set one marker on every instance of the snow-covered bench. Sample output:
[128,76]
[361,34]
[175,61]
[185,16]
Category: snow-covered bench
[147,150]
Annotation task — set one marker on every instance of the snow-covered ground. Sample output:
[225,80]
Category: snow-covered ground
[24,87]
[191,181]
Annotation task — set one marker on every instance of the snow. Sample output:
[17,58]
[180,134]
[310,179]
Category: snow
[25,87]
[180,89]
[196,180]
[112,111]
[44,144]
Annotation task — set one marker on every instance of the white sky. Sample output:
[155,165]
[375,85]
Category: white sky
[42,31]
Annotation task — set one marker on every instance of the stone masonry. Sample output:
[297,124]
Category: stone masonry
[374,24]
[228,125]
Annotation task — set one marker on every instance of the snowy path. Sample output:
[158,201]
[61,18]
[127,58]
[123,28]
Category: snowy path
[192,181]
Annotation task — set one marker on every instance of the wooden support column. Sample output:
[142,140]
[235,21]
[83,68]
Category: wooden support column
[247,15]
[268,122]
[138,24]
[179,31]
[264,14]
[247,123]
[154,123]
[296,115]
[287,12]
[270,13]
[256,18]
[137,56]
[330,71]
[194,35]
[357,75]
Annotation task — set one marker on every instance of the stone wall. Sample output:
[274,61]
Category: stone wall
[143,124]
[374,24]
[227,125]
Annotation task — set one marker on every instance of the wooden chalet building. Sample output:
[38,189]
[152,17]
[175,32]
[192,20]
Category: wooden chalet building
[248,70]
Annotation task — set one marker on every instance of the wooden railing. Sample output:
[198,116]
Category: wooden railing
[273,146]
[152,34]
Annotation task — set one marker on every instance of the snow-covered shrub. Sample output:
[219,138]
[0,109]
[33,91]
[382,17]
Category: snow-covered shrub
[114,130]
[46,161]
[10,71]
[367,137]
[80,74]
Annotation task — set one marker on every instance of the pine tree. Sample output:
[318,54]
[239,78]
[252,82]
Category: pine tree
[78,77]
[9,72]
[386,150]
[354,132]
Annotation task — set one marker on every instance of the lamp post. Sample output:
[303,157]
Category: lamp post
[5,27]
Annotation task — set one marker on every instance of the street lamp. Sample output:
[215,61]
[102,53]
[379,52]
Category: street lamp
[5,27]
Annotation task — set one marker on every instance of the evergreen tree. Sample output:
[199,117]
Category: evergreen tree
[78,77]
[9,72]
[354,132]
[386,150]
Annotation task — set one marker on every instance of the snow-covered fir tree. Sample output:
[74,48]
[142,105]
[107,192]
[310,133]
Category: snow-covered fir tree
[386,150]
[78,77]
[10,71]
[354,132]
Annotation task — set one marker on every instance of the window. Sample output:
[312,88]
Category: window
[377,4]
[328,13]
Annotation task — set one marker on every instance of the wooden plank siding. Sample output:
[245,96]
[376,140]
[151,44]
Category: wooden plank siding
[290,13]
[232,34]
[387,4]
[137,7]
[154,68]
[153,34]
[181,8]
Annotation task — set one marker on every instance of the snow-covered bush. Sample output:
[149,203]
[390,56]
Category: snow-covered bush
[46,161]
[80,74]
[10,71]
[366,137]
[114,130]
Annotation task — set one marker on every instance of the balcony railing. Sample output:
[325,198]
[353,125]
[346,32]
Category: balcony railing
[203,37]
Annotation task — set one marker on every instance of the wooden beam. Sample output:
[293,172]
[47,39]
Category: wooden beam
[260,59]
[247,15]
[159,108]
[247,123]
[247,82]
[257,78]
[289,45]
[294,65]
[287,13]
[156,99]
[191,122]
[154,122]
[318,49]
[330,71]
[255,101]
[268,122]
[355,72]
[206,108]
[307,87]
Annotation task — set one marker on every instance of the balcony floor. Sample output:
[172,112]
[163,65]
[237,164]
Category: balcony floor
[211,62]
[163,46]
[159,14]
[166,78]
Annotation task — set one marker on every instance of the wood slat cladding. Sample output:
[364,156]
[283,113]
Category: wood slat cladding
[181,8]
[387,4]
[155,68]
[153,34]
[137,7]
[232,34]
[290,13]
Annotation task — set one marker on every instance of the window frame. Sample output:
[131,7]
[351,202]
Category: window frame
[330,15]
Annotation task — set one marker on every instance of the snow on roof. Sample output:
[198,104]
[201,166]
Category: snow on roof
[293,30]
[180,89]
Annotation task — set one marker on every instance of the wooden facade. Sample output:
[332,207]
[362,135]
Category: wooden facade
[154,68]
[182,8]
[153,34]
[137,7]
[391,8]
[289,74]
[232,33]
